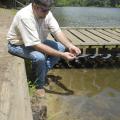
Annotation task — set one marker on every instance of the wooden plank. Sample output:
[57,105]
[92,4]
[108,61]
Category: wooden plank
[4,100]
[118,30]
[50,37]
[107,38]
[90,27]
[73,38]
[14,96]
[83,37]
[112,31]
[99,40]
[116,38]
[91,37]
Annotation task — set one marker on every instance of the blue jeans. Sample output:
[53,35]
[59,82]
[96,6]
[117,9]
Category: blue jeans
[41,62]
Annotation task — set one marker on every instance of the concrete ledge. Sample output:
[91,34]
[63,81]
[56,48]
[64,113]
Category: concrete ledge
[14,95]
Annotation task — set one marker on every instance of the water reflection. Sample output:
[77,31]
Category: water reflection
[96,95]
[92,80]
[87,16]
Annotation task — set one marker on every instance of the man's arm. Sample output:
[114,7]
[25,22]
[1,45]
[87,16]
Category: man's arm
[50,51]
[73,50]
[58,34]
[62,38]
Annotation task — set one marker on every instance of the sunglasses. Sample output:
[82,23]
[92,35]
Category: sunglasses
[43,9]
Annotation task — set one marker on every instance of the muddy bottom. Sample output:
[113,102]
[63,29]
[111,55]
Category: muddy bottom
[83,94]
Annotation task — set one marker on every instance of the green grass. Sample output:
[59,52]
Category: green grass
[31,85]
[32,88]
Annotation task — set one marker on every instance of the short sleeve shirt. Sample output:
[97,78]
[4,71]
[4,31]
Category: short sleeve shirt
[28,30]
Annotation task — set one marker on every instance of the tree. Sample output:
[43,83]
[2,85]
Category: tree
[11,3]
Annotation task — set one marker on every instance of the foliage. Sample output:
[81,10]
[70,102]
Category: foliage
[32,88]
[12,3]
[100,3]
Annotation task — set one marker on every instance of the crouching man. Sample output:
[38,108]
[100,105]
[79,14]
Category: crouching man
[27,38]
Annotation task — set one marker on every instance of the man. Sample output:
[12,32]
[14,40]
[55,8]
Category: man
[28,39]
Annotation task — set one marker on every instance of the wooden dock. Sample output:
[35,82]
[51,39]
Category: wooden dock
[92,36]
[89,37]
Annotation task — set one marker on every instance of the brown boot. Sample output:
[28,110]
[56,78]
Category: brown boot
[40,92]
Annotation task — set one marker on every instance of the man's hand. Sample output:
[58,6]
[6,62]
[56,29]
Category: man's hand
[68,56]
[74,50]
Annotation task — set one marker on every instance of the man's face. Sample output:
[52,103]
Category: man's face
[40,10]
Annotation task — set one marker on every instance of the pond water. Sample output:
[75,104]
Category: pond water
[87,16]
[95,96]
[85,94]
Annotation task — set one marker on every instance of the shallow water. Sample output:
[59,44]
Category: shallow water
[96,94]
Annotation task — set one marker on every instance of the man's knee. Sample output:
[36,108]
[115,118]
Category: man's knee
[61,47]
[38,57]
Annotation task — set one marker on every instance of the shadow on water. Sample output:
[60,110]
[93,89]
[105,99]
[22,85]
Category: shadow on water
[83,79]
[95,96]
[56,80]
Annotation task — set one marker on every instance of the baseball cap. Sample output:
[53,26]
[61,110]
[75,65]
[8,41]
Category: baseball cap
[46,3]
